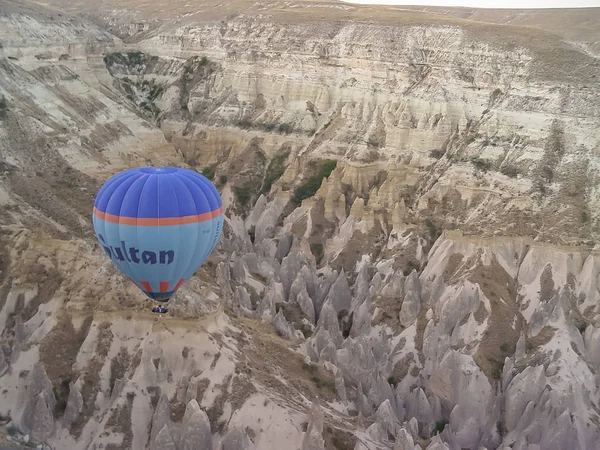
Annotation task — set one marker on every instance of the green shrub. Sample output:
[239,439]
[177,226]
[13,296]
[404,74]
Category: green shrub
[3,107]
[285,128]
[155,92]
[317,251]
[312,185]
[243,194]
[274,171]
[209,172]
[135,58]
[244,123]
[317,381]
[584,217]
[481,164]
[440,425]
[510,171]
[433,231]
[129,59]
[268,126]
[471,138]
[410,266]
[436,153]
[373,143]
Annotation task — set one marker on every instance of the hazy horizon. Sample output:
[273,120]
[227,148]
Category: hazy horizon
[487,4]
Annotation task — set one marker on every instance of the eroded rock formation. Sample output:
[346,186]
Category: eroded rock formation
[408,254]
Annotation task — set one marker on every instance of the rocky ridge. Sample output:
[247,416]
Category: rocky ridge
[419,293]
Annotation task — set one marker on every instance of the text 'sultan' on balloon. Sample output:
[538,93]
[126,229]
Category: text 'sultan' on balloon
[158,225]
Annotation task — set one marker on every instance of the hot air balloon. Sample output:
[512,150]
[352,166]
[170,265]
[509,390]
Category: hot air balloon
[158,225]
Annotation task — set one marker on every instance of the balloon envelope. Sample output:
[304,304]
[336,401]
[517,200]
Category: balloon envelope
[158,225]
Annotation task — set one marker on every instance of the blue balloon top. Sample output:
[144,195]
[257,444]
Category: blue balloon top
[157,193]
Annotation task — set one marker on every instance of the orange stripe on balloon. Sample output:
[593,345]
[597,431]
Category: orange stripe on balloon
[179,283]
[157,222]
[146,286]
[164,286]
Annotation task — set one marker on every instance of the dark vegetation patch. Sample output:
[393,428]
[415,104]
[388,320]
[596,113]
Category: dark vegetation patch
[542,338]
[422,322]
[242,389]
[575,179]
[176,408]
[452,266]
[3,107]
[209,172]
[481,164]
[437,153]
[547,290]
[322,383]
[371,243]
[337,439]
[401,368]
[243,193]
[294,316]
[299,227]
[275,169]
[201,387]
[58,352]
[267,355]
[433,230]
[91,379]
[48,282]
[60,203]
[247,173]
[215,360]
[247,123]
[321,230]
[134,62]
[185,352]
[314,172]
[143,93]
[118,366]
[195,71]
[154,393]
[390,307]
[77,190]
[554,150]
[318,170]
[501,291]
[440,425]
[215,412]
[143,90]
[5,263]
[135,362]
[405,257]
[316,248]
[510,170]
[120,422]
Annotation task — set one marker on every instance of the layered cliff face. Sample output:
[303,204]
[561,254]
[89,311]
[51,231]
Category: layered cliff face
[486,136]
[408,259]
